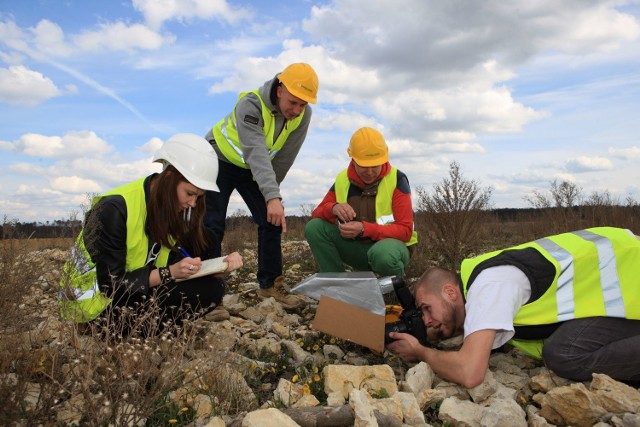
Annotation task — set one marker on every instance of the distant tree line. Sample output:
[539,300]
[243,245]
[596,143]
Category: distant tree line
[14,229]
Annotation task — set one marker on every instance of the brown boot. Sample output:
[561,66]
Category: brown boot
[218,314]
[288,301]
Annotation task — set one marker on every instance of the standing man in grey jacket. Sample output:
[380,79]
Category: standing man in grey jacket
[256,145]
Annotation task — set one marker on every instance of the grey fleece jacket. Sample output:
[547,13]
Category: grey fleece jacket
[267,173]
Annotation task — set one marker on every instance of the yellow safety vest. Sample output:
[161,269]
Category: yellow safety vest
[384,198]
[80,298]
[595,275]
[225,133]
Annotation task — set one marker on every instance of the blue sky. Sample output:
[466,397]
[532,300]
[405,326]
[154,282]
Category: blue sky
[519,93]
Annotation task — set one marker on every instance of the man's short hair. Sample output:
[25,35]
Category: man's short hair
[434,279]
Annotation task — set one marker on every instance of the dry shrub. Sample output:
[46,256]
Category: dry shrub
[54,372]
[454,214]
[240,233]
[24,393]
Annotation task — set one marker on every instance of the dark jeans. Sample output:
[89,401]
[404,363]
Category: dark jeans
[603,345]
[167,304]
[231,177]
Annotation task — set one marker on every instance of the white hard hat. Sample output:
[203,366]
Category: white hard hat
[194,158]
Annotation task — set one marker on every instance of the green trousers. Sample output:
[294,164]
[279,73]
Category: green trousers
[387,257]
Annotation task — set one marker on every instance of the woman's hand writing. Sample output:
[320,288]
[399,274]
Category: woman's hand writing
[185,268]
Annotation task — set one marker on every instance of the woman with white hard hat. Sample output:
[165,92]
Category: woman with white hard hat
[144,239]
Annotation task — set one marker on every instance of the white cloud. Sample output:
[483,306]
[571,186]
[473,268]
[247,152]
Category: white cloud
[156,13]
[113,173]
[437,69]
[74,184]
[119,36]
[50,39]
[151,146]
[631,153]
[28,169]
[71,145]
[21,86]
[6,145]
[587,164]
[527,177]
[14,206]
[599,27]
[12,36]
[437,37]
[342,119]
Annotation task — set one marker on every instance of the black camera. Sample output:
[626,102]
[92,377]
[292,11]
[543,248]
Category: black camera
[410,318]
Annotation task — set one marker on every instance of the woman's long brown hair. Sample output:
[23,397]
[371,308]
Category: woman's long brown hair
[164,218]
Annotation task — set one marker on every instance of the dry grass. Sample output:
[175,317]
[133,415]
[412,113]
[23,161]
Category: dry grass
[49,368]
[54,372]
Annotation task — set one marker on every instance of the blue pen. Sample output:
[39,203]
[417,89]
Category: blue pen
[183,252]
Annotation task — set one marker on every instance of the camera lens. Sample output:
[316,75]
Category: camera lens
[399,326]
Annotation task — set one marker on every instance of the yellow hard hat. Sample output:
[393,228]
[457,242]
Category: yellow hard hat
[301,81]
[368,148]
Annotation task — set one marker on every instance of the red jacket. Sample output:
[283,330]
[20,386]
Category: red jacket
[401,204]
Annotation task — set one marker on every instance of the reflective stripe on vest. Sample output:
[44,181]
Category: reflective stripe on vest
[384,198]
[596,273]
[79,295]
[225,133]
[609,286]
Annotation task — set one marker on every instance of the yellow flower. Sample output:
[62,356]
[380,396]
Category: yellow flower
[173,421]
[332,340]
[316,347]
[315,369]
[295,378]
[316,377]
[309,381]
[184,409]
[306,389]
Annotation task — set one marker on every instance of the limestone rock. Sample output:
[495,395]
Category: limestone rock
[344,378]
[484,390]
[615,396]
[503,413]
[287,393]
[577,405]
[270,417]
[411,412]
[362,409]
[418,378]
[460,412]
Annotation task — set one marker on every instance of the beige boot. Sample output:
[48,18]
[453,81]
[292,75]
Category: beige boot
[218,314]
[280,294]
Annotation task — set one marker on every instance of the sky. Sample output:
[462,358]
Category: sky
[518,93]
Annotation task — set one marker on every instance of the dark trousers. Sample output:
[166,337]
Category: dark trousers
[166,305]
[603,345]
[231,177]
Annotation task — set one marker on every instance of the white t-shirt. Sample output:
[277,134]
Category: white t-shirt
[493,301]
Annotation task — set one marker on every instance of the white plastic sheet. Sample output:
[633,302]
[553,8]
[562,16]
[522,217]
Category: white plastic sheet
[360,288]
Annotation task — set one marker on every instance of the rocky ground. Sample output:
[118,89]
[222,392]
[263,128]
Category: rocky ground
[267,367]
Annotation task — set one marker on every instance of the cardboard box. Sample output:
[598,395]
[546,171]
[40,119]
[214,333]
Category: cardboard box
[351,323]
